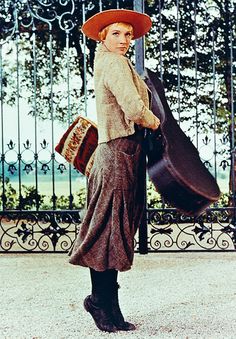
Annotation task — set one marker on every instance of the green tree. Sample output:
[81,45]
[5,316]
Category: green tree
[183,49]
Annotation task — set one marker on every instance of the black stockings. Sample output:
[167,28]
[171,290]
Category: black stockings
[103,282]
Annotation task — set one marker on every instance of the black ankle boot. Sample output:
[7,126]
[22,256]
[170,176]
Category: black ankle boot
[99,312]
[117,316]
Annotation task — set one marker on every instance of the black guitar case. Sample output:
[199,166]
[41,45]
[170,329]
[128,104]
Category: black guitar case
[174,165]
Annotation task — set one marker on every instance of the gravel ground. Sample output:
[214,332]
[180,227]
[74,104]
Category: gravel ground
[166,295]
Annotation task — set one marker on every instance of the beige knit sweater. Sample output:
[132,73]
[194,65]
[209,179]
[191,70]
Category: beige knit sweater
[121,96]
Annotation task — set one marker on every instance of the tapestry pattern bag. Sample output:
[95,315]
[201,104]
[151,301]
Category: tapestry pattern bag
[78,144]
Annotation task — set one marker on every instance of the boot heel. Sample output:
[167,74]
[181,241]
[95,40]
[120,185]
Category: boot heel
[87,304]
[117,316]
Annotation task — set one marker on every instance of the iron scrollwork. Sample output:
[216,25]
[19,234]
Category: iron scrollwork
[24,14]
[51,231]
[171,231]
[45,231]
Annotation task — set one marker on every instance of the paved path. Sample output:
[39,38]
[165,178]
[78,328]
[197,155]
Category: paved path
[174,295]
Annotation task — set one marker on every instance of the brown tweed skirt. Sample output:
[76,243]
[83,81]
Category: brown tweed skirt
[115,206]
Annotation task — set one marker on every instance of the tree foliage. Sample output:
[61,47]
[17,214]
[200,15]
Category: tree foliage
[182,46]
[192,48]
[31,200]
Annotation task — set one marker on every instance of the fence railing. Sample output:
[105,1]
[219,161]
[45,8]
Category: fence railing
[46,68]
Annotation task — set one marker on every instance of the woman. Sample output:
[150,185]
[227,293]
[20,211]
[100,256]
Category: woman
[105,242]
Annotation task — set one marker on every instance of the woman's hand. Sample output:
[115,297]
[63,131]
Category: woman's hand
[156,123]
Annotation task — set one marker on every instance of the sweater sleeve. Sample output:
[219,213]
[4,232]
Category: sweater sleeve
[119,80]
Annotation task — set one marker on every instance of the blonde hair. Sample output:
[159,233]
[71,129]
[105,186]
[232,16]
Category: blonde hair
[103,33]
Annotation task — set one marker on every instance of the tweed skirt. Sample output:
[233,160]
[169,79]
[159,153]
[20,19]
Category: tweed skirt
[115,206]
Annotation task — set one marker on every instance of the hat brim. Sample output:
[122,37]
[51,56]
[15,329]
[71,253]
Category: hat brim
[140,22]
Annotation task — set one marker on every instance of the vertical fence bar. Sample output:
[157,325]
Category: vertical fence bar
[139,65]
[3,195]
[178,56]
[232,96]
[214,100]
[85,79]
[139,43]
[85,64]
[69,110]
[160,42]
[52,115]
[35,116]
[196,70]
[18,111]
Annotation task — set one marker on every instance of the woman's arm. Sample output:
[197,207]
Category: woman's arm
[119,80]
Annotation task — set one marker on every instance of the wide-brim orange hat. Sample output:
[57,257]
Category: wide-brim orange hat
[141,22]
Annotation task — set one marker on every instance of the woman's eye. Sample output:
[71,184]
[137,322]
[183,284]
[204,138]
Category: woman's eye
[115,33]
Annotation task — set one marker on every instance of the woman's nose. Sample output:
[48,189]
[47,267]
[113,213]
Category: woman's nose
[123,39]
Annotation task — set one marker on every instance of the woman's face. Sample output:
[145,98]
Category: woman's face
[118,39]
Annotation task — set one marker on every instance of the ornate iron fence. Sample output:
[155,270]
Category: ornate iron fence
[55,231]
[46,79]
